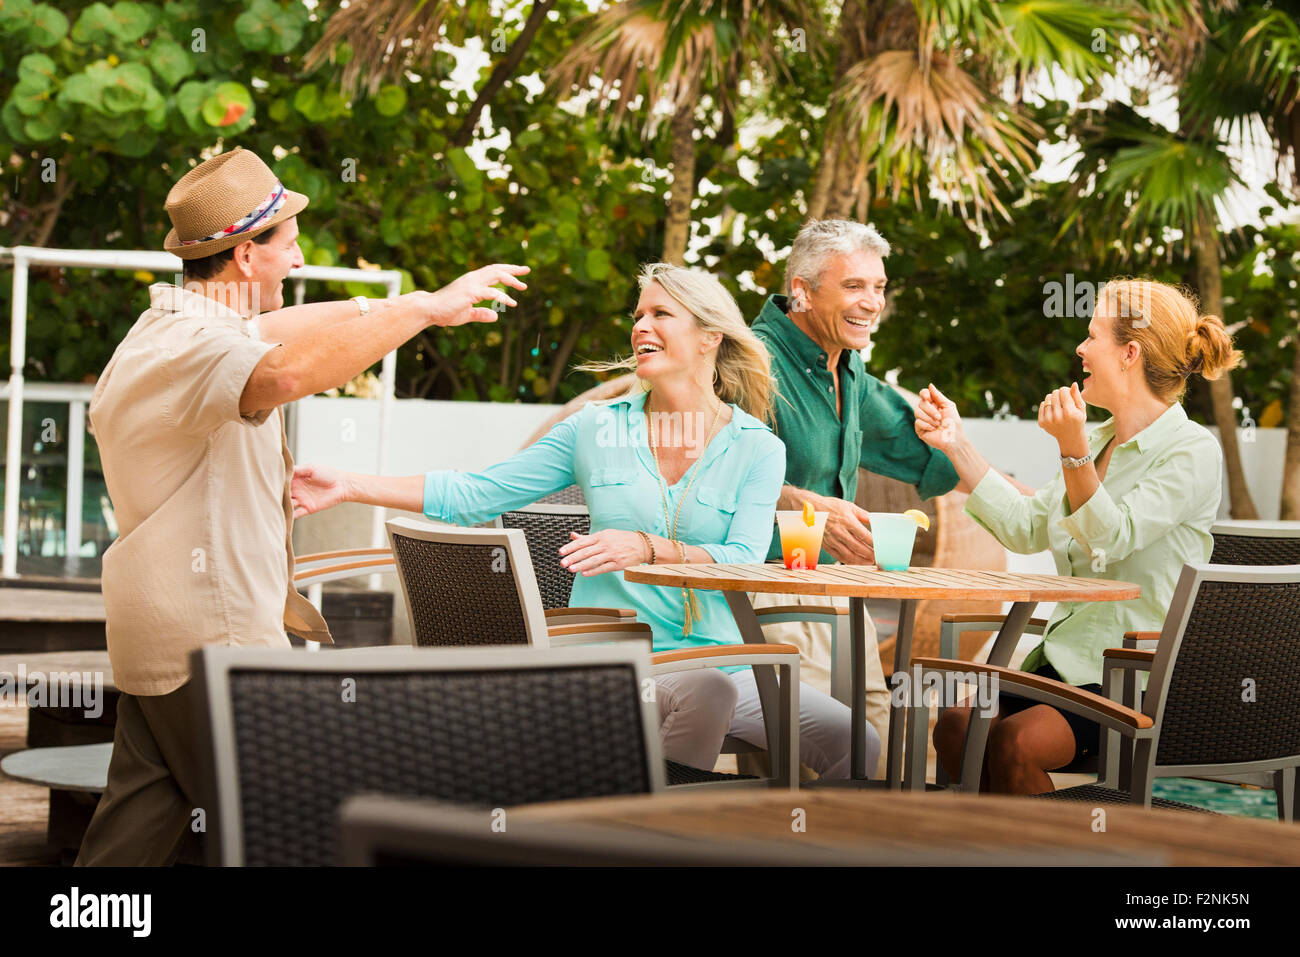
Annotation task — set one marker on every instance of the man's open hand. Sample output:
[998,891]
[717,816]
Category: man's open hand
[453,304]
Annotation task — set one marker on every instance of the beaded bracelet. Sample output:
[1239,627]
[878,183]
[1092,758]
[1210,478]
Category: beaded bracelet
[649,544]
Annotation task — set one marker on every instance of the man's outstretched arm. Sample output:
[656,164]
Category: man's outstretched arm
[330,350]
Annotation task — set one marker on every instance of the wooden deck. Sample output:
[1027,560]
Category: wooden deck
[23,807]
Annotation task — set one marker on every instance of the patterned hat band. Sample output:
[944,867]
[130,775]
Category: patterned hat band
[265,210]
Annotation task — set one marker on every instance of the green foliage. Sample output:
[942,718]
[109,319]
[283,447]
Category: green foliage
[125,97]
[1261,292]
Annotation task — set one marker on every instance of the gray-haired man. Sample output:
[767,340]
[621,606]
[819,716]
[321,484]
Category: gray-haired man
[834,417]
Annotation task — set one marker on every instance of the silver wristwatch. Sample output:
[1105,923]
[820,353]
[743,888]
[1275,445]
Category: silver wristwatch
[1070,463]
[362,303]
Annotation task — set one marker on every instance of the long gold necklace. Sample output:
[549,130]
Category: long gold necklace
[691,603]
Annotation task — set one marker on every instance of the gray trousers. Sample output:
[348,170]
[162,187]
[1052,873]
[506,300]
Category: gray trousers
[145,815]
[697,709]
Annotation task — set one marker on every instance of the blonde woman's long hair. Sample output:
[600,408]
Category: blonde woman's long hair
[742,368]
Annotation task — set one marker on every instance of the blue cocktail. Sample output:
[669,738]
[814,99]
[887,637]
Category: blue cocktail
[894,534]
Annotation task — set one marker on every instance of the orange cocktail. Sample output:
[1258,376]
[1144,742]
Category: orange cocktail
[801,543]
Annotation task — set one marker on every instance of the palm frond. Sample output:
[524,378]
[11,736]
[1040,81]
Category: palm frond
[1271,50]
[1248,71]
[1172,32]
[911,119]
[386,36]
[1135,179]
[672,51]
[1080,37]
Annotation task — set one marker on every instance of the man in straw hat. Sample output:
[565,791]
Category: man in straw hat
[192,440]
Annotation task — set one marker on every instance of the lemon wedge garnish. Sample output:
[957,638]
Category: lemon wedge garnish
[809,516]
[918,516]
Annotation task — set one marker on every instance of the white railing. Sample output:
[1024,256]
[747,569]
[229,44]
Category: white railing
[77,396]
[162,263]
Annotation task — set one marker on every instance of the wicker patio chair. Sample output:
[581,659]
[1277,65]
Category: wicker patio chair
[1260,543]
[293,735]
[547,527]
[476,586]
[1223,697]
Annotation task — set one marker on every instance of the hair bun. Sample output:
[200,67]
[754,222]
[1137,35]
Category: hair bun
[1209,349]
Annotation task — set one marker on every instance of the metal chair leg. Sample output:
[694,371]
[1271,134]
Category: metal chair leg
[1284,787]
[897,722]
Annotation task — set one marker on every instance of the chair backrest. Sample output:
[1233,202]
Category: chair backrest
[570,495]
[547,527]
[1226,675]
[1259,543]
[294,734]
[467,586]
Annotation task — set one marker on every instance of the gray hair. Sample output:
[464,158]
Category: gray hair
[821,239]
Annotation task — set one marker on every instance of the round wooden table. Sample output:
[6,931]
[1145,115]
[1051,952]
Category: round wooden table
[860,582]
[950,828]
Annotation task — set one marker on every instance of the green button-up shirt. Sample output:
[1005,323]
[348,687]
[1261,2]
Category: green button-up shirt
[824,448]
[1151,515]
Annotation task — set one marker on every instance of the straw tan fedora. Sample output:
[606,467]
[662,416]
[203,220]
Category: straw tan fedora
[224,201]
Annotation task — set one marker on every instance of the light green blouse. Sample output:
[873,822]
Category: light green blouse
[1151,515]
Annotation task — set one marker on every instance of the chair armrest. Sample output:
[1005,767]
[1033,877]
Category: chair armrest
[976,622]
[823,614]
[1131,638]
[302,562]
[1130,654]
[1056,693]
[1127,659]
[716,656]
[559,616]
[953,626]
[327,572]
[586,633]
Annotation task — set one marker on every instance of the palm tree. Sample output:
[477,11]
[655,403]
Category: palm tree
[915,106]
[1233,66]
[1248,76]
[670,54]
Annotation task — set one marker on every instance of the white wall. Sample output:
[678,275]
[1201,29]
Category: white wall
[426,434]
[429,435]
[1020,448]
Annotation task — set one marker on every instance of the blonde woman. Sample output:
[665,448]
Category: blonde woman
[683,468]
[1134,501]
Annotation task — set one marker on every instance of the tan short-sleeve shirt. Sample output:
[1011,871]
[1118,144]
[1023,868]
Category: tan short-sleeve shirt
[200,493]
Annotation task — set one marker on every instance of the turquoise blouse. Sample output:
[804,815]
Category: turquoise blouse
[604,449]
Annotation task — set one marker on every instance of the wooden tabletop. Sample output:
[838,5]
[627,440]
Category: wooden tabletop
[868,581]
[960,824]
[50,605]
